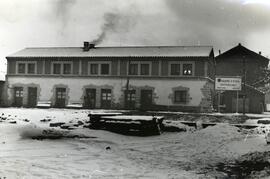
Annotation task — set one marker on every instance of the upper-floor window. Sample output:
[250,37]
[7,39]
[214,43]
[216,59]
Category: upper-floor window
[139,68]
[181,68]
[57,68]
[175,69]
[145,69]
[62,68]
[187,69]
[105,69]
[133,69]
[66,68]
[26,68]
[21,68]
[31,68]
[99,68]
[94,69]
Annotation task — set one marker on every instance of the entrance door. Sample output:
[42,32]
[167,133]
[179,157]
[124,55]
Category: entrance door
[18,96]
[106,98]
[146,99]
[32,96]
[60,100]
[90,98]
[130,99]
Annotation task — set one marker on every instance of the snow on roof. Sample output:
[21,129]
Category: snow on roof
[128,51]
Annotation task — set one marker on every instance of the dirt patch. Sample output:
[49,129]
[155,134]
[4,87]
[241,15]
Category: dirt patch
[252,165]
[238,119]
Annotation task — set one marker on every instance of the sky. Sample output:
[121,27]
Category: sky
[53,23]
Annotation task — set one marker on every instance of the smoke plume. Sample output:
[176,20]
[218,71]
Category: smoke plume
[115,23]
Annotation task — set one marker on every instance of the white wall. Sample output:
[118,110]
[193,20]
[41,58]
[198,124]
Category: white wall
[163,87]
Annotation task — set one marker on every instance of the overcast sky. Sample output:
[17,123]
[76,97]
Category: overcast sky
[220,23]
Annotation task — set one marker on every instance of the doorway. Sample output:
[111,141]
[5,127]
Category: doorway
[18,96]
[60,100]
[106,98]
[146,99]
[90,98]
[32,97]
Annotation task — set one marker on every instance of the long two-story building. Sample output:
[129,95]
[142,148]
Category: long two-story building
[156,77]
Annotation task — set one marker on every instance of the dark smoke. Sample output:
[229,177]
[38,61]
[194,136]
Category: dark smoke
[115,23]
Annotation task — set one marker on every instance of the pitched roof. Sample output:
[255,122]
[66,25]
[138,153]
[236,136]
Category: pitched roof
[129,51]
[239,49]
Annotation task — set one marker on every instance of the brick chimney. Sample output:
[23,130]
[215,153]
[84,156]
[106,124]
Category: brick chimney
[86,46]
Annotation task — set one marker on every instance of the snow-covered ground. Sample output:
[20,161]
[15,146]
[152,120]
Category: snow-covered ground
[103,154]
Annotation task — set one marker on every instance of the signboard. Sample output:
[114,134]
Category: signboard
[228,83]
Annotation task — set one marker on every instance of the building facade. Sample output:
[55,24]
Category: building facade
[173,77]
[240,61]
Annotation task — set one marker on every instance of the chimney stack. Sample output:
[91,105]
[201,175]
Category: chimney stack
[260,52]
[87,46]
[219,51]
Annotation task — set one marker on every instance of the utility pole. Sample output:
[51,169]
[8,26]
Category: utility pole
[244,87]
[127,86]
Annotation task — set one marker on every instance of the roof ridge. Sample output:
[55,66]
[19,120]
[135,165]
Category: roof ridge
[161,46]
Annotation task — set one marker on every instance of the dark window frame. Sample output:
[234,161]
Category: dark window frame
[19,68]
[106,70]
[54,69]
[175,69]
[32,71]
[65,71]
[143,70]
[187,69]
[93,71]
[133,69]
[180,96]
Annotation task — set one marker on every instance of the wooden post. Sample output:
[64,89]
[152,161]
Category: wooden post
[237,101]
[219,102]
[244,87]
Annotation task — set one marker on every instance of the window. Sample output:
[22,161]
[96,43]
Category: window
[62,67]
[99,68]
[106,94]
[133,69]
[26,67]
[21,68]
[187,69]
[180,96]
[94,69]
[31,68]
[175,69]
[18,92]
[145,69]
[67,68]
[130,95]
[105,69]
[57,68]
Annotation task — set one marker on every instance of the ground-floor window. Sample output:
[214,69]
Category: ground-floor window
[18,96]
[180,96]
[106,98]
